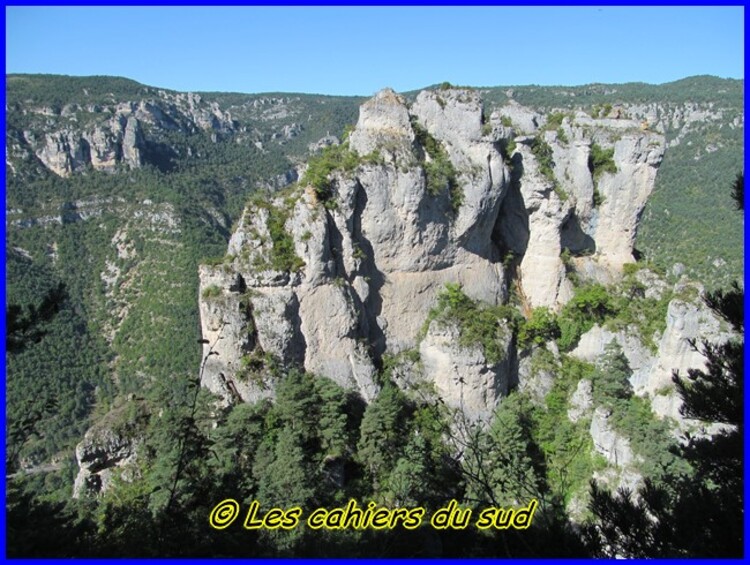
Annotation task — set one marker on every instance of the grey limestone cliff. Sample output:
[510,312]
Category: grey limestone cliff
[688,321]
[330,282]
[101,137]
[109,450]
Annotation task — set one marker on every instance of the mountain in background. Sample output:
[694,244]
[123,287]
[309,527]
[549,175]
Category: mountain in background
[502,257]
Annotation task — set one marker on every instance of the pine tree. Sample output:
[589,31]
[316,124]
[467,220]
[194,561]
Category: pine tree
[701,514]
[290,479]
[610,379]
[513,465]
[383,432]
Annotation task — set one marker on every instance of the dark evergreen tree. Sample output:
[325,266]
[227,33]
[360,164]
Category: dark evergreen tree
[610,379]
[503,466]
[701,514]
[738,191]
[383,432]
[23,328]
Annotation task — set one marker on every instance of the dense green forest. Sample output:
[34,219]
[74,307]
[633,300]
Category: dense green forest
[118,254]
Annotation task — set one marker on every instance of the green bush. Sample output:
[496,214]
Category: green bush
[256,366]
[630,269]
[601,161]
[320,167]
[453,299]
[373,158]
[426,140]
[478,324]
[647,314]
[543,153]
[593,301]
[348,129]
[567,445]
[598,198]
[571,330]
[358,253]
[541,326]
[216,261]
[570,268]
[561,193]
[439,171]
[507,148]
[590,304]
[440,175]
[600,110]
[211,291]
[554,120]
[282,255]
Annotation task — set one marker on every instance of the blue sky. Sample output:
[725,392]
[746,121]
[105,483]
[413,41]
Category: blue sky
[357,50]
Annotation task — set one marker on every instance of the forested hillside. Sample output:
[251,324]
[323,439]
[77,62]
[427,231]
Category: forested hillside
[169,238]
[126,241]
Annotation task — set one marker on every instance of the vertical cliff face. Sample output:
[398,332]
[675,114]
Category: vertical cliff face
[113,141]
[560,199]
[103,136]
[330,278]
[415,236]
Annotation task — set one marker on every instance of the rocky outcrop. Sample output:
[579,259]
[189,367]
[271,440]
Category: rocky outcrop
[531,226]
[523,119]
[581,401]
[687,323]
[63,153]
[534,380]
[652,370]
[376,259]
[463,377]
[557,202]
[206,116]
[109,450]
[622,471]
[102,137]
[640,358]
[329,279]
[624,193]
[103,147]
[607,442]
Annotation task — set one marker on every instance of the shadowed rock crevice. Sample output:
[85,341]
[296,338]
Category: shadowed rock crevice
[336,247]
[295,353]
[574,239]
[372,279]
[511,232]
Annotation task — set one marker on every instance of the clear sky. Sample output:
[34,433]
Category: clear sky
[358,50]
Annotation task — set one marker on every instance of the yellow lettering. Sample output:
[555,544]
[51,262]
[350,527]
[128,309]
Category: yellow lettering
[251,522]
[316,519]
